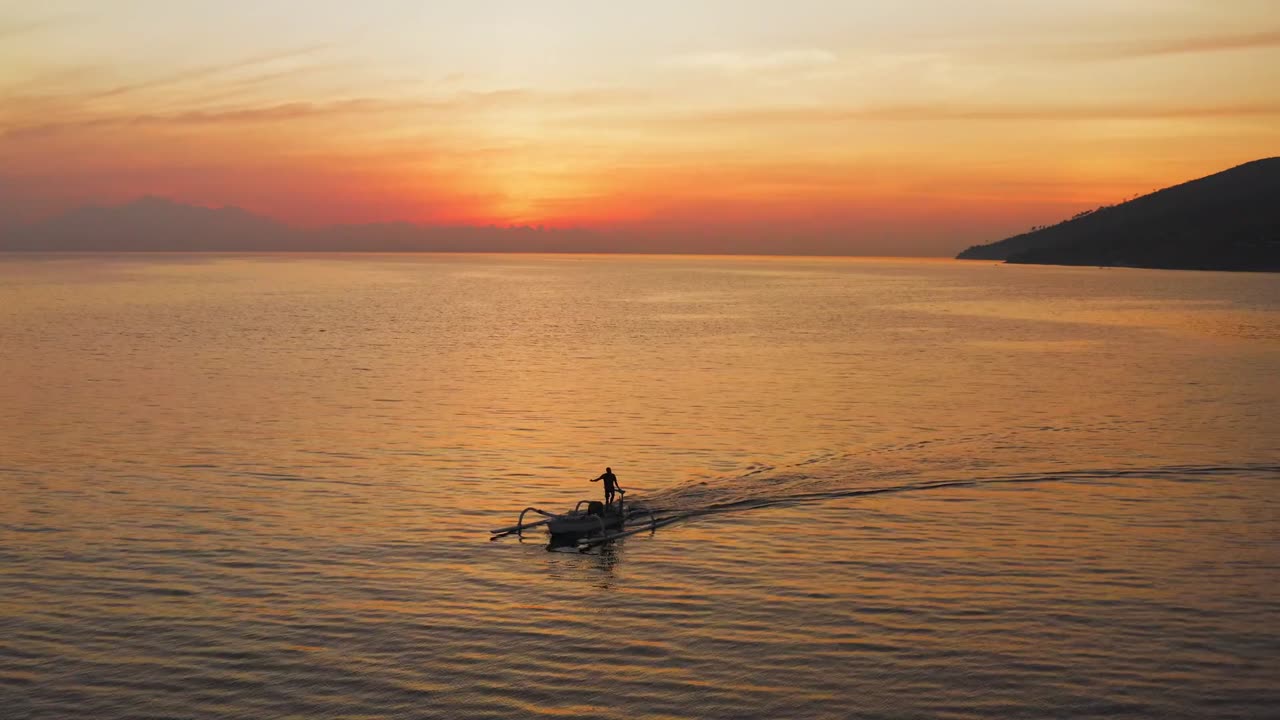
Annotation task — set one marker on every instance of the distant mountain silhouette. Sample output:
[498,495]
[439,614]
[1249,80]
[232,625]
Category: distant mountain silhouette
[1227,221]
[153,224]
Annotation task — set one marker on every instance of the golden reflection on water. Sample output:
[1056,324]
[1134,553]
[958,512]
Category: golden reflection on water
[258,477]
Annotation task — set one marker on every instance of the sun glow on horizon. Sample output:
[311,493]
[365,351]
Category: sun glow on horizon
[918,127]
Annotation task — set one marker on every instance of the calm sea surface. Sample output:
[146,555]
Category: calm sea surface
[262,487]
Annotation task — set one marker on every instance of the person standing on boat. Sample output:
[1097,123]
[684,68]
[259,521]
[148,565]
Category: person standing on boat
[610,485]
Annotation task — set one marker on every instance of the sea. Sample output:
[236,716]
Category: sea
[264,486]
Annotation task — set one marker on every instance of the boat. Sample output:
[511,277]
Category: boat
[589,523]
[596,519]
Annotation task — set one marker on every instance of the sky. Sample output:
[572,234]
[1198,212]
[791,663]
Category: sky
[860,126]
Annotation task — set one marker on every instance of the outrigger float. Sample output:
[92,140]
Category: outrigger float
[584,527]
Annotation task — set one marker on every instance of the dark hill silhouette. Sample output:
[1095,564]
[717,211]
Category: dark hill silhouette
[1227,221]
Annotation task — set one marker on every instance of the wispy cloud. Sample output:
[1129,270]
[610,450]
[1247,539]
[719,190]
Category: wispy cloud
[1156,47]
[10,29]
[739,62]
[16,29]
[213,70]
[271,113]
[1214,43]
[29,120]
[781,116]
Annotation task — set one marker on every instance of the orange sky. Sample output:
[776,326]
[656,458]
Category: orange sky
[913,129]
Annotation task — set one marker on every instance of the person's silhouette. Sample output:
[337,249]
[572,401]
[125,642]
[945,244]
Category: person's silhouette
[610,485]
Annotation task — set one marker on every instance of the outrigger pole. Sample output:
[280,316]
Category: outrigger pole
[520,527]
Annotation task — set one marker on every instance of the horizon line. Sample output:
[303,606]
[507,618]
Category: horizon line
[559,253]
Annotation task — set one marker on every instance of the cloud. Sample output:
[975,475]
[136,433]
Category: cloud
[780,116]
[10,29]
[270,113]
[737,62]
[13,30]
[208,71]
[292,111]
[1205,43]
[29,117]
[1157,47]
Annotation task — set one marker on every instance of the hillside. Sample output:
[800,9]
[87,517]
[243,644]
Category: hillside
[150,224]
[1226,221]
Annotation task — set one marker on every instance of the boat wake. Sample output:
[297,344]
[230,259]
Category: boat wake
[831,478]
[912,468]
